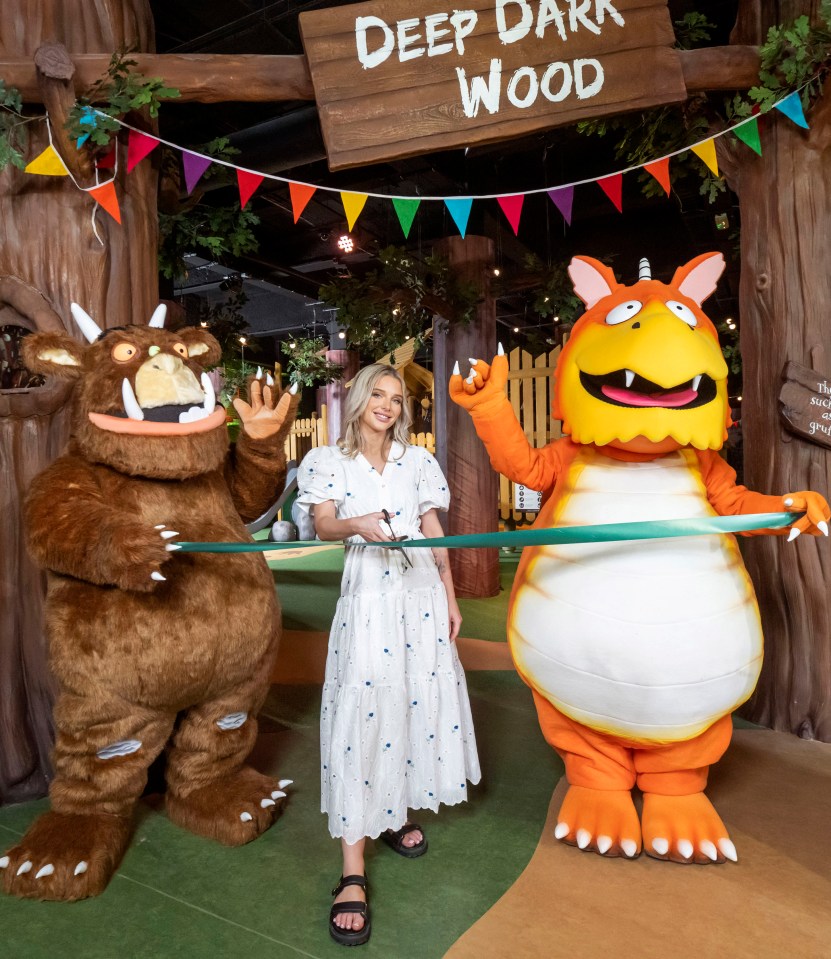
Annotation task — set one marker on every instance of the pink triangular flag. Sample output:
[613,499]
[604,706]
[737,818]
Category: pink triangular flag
[612,186]
[105,195]
[512,208]
[193,166]
[300,194]
[138,147]
[660,170]
[563,199]
[248,183]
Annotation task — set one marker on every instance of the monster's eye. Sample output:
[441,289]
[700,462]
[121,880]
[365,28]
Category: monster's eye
[181,349]
[683,312]
[124,352]
[623,312]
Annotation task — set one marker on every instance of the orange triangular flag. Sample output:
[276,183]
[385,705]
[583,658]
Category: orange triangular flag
[47,163]
[353,203]
[707,152]
[105,195]
[660,170]
[300,194]
[248,183]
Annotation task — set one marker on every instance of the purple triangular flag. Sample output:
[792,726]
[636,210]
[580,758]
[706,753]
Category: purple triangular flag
[563,199]
[791,106]
[194,166]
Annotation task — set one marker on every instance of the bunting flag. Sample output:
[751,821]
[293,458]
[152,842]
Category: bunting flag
[612,186]
[660,170]
[405,210]
[193,166]
[105,195]
[749,133]
[512,208]
[139,145]
[460,211]
[353,203]
[247,183]
[47,163]
[791,106]
[107,160]
[87,119]
[706,152]
[563,199]
[300,194]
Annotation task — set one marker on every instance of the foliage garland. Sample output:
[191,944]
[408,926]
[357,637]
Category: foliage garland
[308,364]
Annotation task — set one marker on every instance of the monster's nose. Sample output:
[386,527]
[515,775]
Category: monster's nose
[166,363]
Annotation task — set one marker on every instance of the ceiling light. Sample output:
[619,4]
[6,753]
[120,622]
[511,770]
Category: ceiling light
[496,271]
[346,243]
[341,335]
[516,329]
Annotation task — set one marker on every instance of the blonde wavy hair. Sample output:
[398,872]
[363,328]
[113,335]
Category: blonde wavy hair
[351,440]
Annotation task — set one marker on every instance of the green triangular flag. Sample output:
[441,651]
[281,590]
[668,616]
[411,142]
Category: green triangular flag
[406,211]
[749,133]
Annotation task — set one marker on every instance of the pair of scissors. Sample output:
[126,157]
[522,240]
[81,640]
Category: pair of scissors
[396,539]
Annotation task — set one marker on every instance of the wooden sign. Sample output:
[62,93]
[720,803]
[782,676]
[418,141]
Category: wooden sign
[395,78]
[805,403]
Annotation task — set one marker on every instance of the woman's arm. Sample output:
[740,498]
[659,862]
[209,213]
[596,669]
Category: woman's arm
[431,527]
[329,527]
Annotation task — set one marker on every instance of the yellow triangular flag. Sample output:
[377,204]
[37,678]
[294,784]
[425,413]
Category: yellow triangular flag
[353,203]
[47,164]
[707,152]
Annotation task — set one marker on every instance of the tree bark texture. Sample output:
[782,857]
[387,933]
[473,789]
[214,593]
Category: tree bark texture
[474,486]
[785,289]
[49,248]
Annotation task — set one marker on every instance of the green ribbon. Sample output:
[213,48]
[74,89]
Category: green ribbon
[561,535]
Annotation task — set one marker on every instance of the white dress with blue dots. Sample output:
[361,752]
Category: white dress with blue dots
[396,731]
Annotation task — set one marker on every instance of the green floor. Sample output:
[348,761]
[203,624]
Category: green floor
[178,895]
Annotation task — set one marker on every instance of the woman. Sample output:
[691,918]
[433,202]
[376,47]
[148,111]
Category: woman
[396,731]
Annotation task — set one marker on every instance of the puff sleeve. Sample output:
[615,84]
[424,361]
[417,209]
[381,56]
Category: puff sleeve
[320,477]
[432,488]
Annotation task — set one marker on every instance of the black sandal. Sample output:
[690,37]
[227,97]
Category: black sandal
[349,937]
[395,840]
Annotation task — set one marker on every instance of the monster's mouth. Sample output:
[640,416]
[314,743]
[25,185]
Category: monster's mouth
[626,388]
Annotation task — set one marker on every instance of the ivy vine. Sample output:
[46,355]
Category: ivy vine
[308,364]
[12,128]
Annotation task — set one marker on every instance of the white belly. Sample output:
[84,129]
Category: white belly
[652,640]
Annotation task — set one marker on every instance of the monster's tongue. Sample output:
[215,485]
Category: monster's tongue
[668,399]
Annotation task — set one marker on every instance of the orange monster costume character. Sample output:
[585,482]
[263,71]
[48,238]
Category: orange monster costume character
[636,652]
[151,648]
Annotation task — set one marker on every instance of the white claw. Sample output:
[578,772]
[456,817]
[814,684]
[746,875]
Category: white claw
[629,847]
[172,547]
[788,501]
[685,847]
[285,782]
[269,379]
[456,370]
[822,526]
[278,794]
[500,350]
[708,849]
[604,844]
[795,531]
[160,526]
[293,388]
[26,867]
[47,870]
[265,803]
[81,868]
[4,862]
[158,577]
[728,850]
[259,373]
[561,830]
[168,534]
[472,361]
[660,845]
[470,376]
[584,837]
[630,378]
[245,817]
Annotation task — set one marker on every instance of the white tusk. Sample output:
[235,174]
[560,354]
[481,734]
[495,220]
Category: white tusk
[81,868]
[644,270]
[630,378]
[86,323]
[45,871]
[210,394]
[293,388]
[696,381]
[500,350]
[131,407]
[158,317]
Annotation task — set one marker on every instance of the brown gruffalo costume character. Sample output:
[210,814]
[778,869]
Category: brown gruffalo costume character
[151,647]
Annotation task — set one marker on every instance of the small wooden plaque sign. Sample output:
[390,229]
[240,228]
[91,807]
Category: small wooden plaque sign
[805,403]
[396,78]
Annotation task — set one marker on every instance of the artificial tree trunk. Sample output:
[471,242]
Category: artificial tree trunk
[51,256]
[785,202]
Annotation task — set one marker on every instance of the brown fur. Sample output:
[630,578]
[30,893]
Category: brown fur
[130,653]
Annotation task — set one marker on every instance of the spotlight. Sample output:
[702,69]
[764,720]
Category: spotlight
[292,345]
[204,325]
[516,329]
[243,340]
[406,337]
[341,335]
[346,243]
[396,311]
[496,271]
[545,300]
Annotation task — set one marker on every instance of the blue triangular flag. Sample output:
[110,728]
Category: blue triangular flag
[791,106]
[460,211]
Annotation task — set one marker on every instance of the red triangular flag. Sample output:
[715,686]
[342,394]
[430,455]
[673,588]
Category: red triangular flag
[105,195]
[300,194]
[138,146]
[660,170]
[612,186]
[248,183]
[512,208]
[107,161]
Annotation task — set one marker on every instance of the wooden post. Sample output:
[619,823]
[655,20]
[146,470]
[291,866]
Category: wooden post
[474,485]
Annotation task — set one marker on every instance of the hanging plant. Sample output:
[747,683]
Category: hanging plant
[308,364]
[12,128]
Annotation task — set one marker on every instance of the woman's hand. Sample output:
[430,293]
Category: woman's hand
[455,616]
[369,527]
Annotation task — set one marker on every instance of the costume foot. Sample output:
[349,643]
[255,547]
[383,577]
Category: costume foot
[684,829]
[65,857]
[233,809]
[602,820]
[349,922]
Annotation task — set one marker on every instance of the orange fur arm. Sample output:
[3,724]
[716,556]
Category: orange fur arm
[729,498]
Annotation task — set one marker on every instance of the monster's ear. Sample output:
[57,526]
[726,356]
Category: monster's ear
[698,278]
[202,347]
[53,354]
[592,280]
